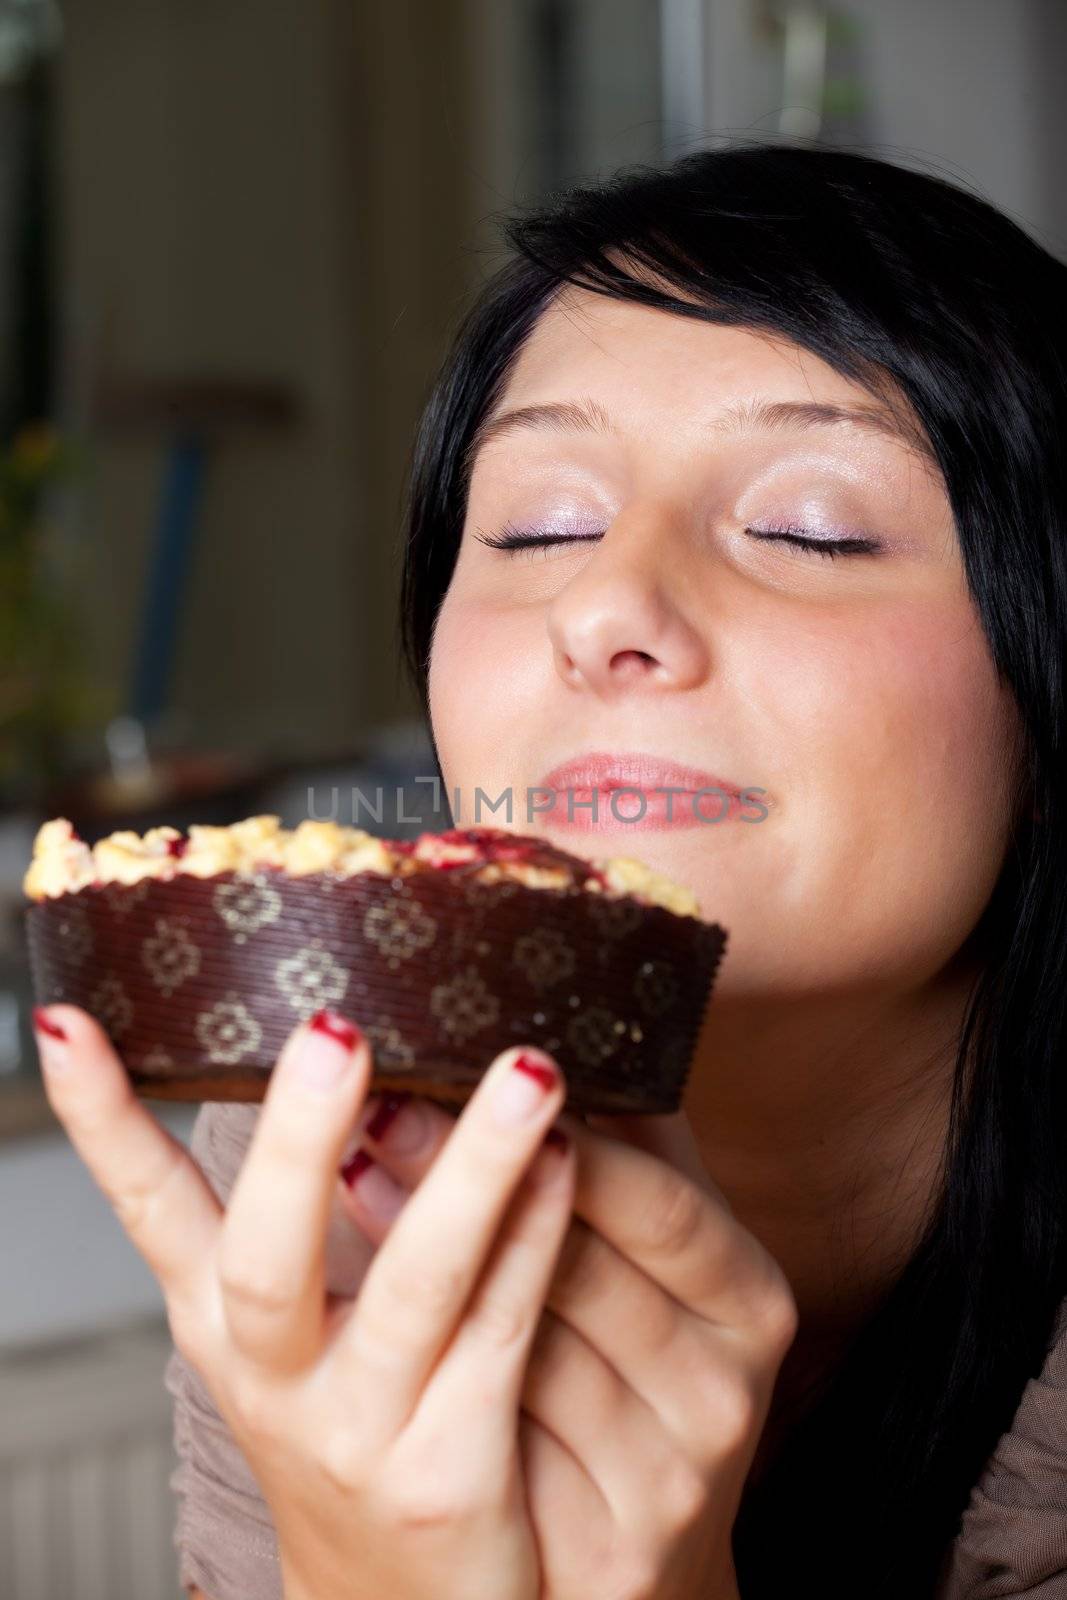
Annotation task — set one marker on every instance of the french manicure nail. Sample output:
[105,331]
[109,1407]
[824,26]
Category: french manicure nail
[521,1091]
[336,1027]
[51,1043]
[386,1109]
[358,1162]
[385,1113]
[44,1023]
[324,1052]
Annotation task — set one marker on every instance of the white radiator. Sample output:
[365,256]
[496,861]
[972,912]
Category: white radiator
[86,1510]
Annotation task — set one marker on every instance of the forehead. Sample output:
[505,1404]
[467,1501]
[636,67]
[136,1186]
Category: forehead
[641,355]
[637,369]
[640,348]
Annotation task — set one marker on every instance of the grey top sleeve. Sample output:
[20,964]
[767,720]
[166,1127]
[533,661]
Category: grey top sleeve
[1013,1537]
[223,1532]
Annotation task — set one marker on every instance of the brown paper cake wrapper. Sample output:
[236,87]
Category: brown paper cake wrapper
[199,981]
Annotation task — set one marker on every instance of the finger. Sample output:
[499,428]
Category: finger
[272,1254]
[576,1534]
[481,1371]
[399,1138]
[674,1367]
[606,1300]
[162,1199]
[613,1187]
[645,1354]
[404,1133]
[587,1406]
[420,1279]
[669,1136]
[675,1230]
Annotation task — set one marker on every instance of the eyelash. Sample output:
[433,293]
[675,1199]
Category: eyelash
[512,539]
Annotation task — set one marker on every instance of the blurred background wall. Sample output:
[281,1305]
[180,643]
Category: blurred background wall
[265,195]
[250,193]
[235,239]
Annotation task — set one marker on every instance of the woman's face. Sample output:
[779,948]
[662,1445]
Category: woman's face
[855,691]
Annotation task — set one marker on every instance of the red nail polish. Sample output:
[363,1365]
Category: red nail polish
[387,1110]
[557,1139]
[337,1027]
[44,1022]
[545,1075]
[357,1163]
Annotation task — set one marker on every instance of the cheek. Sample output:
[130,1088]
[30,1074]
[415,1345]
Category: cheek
[481,679]
[930,726]
[897,733]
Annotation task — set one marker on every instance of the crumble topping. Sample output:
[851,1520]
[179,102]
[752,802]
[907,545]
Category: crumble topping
[63,863]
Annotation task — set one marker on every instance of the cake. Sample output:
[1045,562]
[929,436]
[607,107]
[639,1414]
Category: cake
[199,952]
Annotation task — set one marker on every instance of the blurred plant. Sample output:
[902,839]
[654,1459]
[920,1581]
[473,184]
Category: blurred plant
[46,692]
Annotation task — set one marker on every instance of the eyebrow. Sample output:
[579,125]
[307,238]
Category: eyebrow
[744,416]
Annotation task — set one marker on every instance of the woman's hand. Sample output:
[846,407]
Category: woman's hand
[649,1380]
[419,1441]
[383,1431]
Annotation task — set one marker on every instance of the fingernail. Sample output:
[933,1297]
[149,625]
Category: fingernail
[407,1133]
[357,1162]
[337,1027]
[385,1113]
[521,1091]
[324,1053]
[51,1042]
[377,1192]
[44,1022]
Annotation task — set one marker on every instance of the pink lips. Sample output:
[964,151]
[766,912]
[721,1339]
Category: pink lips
[600,773]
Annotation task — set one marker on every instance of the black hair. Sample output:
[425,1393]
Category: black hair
[907,284]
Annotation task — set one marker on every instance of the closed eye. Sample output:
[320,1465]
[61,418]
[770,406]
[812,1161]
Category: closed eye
[822,547]
[512,539]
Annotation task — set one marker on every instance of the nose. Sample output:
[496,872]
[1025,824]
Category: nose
[620,626]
